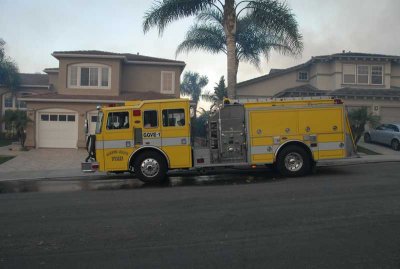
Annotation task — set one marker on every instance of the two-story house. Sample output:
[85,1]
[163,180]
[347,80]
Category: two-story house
[86,79]
[30,84]
[360,79]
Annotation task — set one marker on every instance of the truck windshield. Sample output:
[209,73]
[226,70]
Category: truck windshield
[99,122]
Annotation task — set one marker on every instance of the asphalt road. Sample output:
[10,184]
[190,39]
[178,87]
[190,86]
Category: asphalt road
[342,217]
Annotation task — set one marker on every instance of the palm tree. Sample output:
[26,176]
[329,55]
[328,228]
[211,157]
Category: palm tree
[231,18]
[9,75]
[218,95]
[192,86]
[358,119]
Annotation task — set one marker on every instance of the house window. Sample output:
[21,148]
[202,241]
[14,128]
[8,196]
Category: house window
[377,74]
[173,117]
[349,73]
[8,101]
[91,76]
[167,82]
[104,76]
[303,75]
[362,74]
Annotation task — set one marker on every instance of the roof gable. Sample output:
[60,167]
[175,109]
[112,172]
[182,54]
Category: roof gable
[127,57]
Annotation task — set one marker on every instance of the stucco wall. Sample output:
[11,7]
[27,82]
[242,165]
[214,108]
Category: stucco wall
[115,65]
[144,78]
[270,87]
[53,79]
[80,108]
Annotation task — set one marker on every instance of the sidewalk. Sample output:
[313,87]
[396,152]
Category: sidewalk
[381,149]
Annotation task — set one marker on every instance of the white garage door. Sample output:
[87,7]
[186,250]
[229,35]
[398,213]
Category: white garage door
[57,129]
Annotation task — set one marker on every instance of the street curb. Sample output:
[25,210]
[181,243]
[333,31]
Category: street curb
[356,161]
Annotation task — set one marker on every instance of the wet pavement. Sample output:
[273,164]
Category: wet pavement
[340,217]
[127,181]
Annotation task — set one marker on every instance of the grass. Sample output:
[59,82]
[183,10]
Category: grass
[366,151]
[3,159]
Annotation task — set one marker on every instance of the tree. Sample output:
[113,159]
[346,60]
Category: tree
[358,119]
[218,95]
[192,86]
[9,78]
[16,122]
[199,124]
[243,30]
[9,74]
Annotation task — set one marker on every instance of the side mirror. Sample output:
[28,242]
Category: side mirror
[86,127]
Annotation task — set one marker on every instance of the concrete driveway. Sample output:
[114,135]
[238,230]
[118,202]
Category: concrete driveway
[41,163]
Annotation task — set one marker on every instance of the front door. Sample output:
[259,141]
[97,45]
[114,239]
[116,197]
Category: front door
[117,140]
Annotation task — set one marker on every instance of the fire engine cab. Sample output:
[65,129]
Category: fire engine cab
[151,137]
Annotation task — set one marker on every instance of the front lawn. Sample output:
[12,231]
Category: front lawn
[3,159]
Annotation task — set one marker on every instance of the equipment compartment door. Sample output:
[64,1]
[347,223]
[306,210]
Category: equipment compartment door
[175,129]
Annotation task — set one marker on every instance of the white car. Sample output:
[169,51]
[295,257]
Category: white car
[387,134]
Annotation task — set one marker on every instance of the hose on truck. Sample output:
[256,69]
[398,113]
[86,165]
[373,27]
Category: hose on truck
[91,147]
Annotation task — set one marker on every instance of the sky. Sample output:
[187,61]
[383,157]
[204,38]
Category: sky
[34,29]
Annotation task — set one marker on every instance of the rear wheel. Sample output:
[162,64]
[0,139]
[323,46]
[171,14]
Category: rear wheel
[367,138]
[150,167]
[293,161]
[395,144]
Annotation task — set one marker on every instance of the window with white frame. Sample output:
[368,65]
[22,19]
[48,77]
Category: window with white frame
[8,101]
[11,102]
[349,73]
[302,75]
[362,74]
[91,76]
[167,82]
[377,74]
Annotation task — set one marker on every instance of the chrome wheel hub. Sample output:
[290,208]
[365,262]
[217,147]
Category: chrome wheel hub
[293,162]
[150,167]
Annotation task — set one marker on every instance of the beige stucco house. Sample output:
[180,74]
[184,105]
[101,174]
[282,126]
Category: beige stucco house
[360,79]
[30,84]
[85,79]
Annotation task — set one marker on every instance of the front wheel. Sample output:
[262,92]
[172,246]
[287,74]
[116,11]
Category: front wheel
[395,144]
[293,161]
[150,167]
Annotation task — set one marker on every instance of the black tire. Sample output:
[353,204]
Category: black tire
[395,144]
[293,161]
[367,138]
[150,158]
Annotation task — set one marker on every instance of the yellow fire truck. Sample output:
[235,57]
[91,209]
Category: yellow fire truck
[151,137]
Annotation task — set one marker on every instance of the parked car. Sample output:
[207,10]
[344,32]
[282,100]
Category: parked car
[387,134]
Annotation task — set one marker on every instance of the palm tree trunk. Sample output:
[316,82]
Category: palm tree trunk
[230,32]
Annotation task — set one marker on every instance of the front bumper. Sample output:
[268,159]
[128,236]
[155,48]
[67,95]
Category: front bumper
[89,167]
